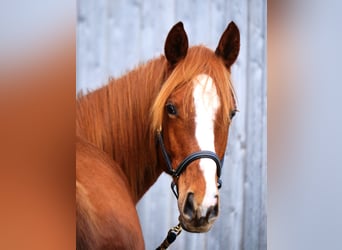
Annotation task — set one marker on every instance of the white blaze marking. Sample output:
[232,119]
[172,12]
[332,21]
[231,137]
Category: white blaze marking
[206,103]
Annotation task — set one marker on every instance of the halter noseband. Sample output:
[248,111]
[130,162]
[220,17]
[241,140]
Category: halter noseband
[186,162]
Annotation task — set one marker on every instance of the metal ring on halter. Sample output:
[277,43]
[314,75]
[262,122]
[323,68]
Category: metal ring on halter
[174,189]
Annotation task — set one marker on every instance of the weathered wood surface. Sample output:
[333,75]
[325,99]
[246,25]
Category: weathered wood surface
[113,36]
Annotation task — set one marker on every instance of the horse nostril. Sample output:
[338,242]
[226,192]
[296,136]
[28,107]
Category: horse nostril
[212,212]
[189,208]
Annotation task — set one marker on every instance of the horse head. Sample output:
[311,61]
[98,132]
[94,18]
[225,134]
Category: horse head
[191,116]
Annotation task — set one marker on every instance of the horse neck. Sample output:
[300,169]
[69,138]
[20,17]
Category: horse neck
[116,119]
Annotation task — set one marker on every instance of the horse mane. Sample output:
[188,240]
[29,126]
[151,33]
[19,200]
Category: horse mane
[122,117]
[115,118]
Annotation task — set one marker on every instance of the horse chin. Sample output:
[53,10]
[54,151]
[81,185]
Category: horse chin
[193,226]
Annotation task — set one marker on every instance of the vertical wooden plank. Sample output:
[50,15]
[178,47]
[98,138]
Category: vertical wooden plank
[183,13]
[218,21]
[115,63]
[91,40]
[254,224]
[201,23]
[157,18]
[81,37]
[124,36]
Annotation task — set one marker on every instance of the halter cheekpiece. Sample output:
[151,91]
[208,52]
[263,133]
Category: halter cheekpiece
[186,162]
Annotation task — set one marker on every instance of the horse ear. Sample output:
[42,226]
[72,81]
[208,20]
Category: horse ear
[229,45]
[176,44]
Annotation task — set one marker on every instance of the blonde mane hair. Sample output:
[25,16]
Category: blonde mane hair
[199,60]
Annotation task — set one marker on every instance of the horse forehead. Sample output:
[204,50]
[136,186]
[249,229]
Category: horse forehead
[205,94]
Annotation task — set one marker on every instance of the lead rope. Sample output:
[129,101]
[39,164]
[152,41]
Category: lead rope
[171,237]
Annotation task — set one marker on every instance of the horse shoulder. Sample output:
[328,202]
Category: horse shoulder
[105,212]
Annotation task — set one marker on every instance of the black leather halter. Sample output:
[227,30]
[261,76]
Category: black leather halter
[186,162]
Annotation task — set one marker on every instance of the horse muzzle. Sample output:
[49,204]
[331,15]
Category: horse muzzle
[197,218]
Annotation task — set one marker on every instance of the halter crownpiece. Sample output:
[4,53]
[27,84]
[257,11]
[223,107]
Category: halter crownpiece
[186,162]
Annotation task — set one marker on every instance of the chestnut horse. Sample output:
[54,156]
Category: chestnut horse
[170,114]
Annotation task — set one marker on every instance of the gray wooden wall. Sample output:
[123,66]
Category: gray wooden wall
[113,36]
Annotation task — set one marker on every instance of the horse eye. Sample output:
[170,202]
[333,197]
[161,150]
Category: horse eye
[171,109]
[232,114]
